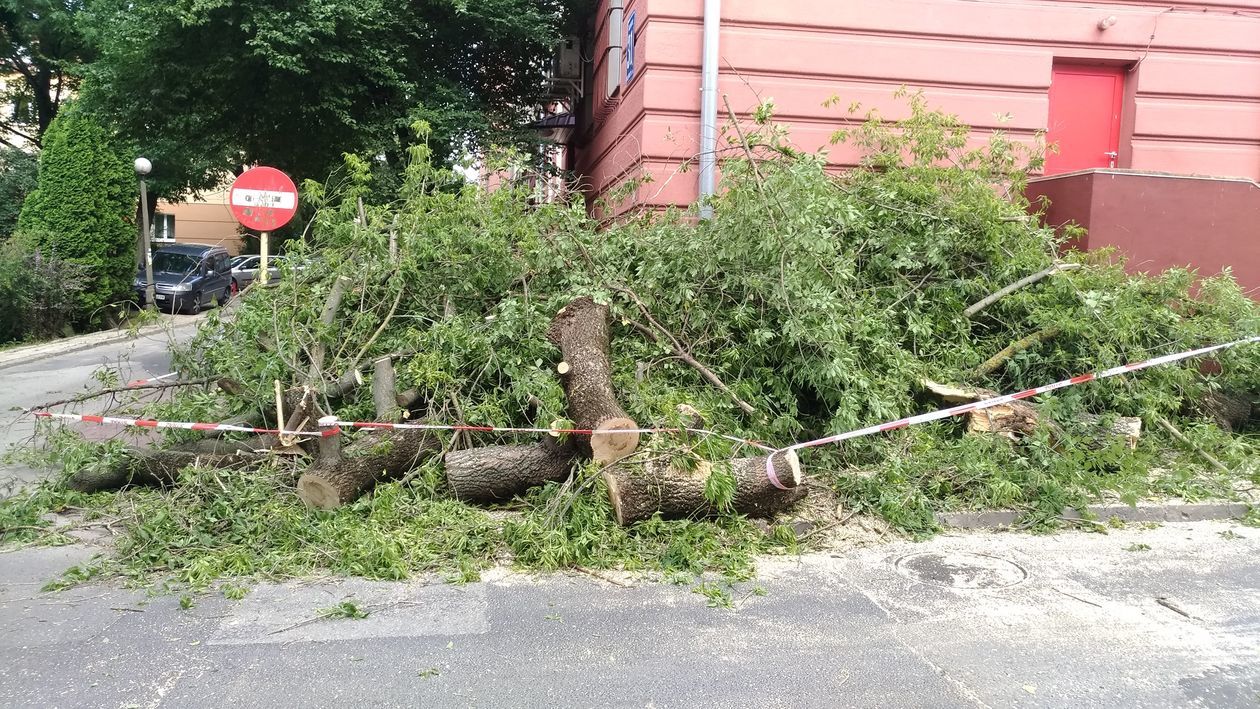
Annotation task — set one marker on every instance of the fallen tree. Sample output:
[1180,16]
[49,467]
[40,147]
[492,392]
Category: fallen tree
[811,303]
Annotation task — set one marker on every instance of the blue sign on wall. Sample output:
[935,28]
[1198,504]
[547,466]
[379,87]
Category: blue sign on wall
[630,48]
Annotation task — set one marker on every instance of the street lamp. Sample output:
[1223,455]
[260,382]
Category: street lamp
[144,167]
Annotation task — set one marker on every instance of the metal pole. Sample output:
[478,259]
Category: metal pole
[263,273]
[150,289]
[708,106]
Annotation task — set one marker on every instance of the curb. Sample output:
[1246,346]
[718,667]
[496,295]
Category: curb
[46,350]
[1170,512]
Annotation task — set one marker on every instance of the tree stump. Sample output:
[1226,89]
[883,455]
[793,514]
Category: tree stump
[580,330]
[639,491]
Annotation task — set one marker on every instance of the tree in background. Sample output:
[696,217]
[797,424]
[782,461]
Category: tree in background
[18,174]
[42,49]
[80,211]
[206,87]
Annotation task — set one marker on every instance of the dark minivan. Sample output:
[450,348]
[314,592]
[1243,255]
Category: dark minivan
[188,277]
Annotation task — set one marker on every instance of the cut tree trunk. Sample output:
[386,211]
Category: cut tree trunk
[580,330]
[377,457]
[150,467]
[639,491]
[499,473]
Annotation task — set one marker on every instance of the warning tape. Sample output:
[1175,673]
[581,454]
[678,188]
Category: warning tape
[996,401]
[331,426]
[183,425]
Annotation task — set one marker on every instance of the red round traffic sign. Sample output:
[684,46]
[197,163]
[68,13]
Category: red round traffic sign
[263,199]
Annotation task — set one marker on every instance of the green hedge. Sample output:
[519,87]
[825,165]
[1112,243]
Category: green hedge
[82,211]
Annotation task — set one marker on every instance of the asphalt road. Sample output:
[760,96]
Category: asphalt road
[976,620]
[53,373]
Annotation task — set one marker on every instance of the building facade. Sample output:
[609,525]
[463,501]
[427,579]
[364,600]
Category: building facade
[205,219]
[1121,85]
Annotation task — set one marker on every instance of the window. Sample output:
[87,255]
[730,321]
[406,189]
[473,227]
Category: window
[164,227]
[616,13]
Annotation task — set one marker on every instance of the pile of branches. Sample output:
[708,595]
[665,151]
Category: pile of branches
[813,302]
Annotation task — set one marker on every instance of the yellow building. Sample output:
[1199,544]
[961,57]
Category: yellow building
[203,220]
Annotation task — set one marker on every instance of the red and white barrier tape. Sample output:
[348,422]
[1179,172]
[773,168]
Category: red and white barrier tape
[184,425]
[142,382]
[996,401]
[330,426]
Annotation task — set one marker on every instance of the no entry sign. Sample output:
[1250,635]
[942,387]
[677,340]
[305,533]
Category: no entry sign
[263,199]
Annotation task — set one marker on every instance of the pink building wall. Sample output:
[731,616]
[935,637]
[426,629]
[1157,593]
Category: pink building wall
[1192,103]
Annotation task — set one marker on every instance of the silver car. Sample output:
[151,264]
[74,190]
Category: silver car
[245,270]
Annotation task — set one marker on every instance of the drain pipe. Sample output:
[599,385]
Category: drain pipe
[708,106]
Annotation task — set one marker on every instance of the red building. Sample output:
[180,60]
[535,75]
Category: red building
[1125,89]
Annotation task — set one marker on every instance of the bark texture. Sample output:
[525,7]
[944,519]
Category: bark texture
[499,473]
[150,467]
[377,457]
[639,491]
[580,330]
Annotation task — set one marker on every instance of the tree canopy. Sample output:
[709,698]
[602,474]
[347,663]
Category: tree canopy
[205,87]
[43,47]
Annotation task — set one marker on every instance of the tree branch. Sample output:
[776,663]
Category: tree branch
[683,354]
[974,310]
[121,390]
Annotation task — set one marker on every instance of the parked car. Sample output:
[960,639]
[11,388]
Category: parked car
[188,277]
[245,270]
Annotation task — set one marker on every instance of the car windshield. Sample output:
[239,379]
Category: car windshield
[170,262]
[237,260]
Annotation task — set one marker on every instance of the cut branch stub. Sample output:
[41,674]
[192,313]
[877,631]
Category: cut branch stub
[580,330]
[639,491]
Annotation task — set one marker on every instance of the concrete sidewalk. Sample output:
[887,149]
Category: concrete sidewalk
[1134,618]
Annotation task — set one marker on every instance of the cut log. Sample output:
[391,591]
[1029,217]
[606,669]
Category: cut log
[499,473]
[639,491]
[580,330]
[376,457]
[149,467]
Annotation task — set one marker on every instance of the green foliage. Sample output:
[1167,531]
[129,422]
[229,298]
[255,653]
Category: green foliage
[295,84]
[40,290]
[81,210]
[19,171]
[42,46]
[821,299]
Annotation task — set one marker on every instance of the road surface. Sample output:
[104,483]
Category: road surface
[57,374]
[974,620]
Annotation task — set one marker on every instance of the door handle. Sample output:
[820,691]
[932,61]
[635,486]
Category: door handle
[1112,155]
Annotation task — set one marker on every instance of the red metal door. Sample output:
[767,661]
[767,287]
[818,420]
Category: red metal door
[1085,106]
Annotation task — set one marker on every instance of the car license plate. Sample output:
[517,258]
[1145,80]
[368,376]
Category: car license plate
[159,296]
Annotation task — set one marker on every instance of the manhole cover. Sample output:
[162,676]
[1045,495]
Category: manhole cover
[960,570]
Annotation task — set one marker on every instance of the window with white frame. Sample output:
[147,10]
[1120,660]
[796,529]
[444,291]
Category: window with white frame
[616,15]
[163,227]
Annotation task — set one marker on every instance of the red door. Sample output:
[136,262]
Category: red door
[1085,106]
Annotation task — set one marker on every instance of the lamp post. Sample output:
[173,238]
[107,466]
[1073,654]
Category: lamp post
[144,167]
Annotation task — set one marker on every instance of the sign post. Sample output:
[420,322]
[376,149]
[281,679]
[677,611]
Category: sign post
[264,199]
